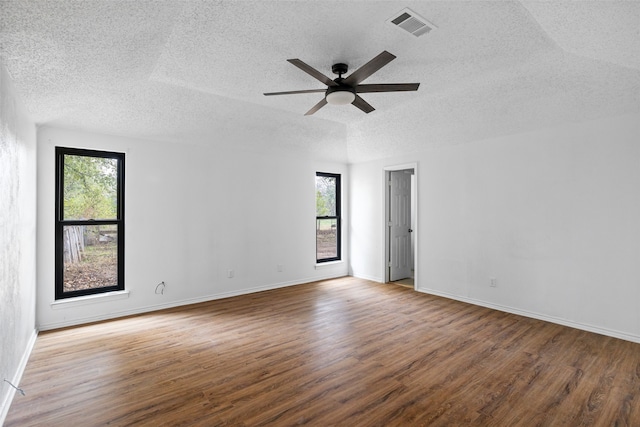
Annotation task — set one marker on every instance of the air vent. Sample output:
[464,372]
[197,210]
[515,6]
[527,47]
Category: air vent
[411,22]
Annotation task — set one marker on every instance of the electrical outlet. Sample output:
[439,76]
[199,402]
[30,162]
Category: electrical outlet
[230,274]
[492,282]
[280,268]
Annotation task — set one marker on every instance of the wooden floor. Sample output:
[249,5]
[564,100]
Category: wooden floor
[344,352]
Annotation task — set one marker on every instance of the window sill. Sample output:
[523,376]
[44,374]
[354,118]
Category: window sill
[89,299]
[328,264]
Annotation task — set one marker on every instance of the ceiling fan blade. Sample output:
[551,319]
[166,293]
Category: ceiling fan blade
[362,104]
[387,87]
[293,92]
[312,72]
[316,107]
[369,68]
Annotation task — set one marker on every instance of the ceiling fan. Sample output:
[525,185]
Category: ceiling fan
[342,91]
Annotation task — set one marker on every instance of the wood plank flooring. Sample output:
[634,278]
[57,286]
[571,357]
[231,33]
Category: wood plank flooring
[344,352]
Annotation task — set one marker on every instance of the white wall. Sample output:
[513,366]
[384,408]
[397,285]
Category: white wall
[192,213]
[553,215]
[17,239]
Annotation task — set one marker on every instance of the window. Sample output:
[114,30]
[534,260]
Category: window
[327,217]
[89,222]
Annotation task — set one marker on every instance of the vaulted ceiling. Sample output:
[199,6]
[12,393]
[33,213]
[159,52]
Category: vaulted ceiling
[196,71]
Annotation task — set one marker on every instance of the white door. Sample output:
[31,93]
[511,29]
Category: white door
[400,225]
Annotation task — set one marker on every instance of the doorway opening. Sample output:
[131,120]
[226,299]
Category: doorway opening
[401,225]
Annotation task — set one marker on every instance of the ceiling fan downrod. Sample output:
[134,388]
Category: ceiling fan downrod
[339,69]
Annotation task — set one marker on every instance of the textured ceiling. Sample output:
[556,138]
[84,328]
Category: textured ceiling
[193,71]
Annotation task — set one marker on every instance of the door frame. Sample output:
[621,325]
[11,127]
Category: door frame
[414,218]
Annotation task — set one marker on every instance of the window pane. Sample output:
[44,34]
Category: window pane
[90,188]
[326,238]
[90,257]
[325,196]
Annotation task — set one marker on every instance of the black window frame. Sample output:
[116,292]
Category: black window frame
[337,217]
[60,222]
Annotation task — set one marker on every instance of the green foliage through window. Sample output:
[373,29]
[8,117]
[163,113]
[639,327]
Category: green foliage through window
[90,187]
[325,196]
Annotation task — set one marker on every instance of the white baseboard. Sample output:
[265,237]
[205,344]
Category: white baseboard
[534,315]
[8,397]
[205,298]
[366,277]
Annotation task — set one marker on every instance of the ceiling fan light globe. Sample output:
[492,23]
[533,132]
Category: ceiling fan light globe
[341,97]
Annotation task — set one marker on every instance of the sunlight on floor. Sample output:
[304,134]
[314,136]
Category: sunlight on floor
[408,282]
